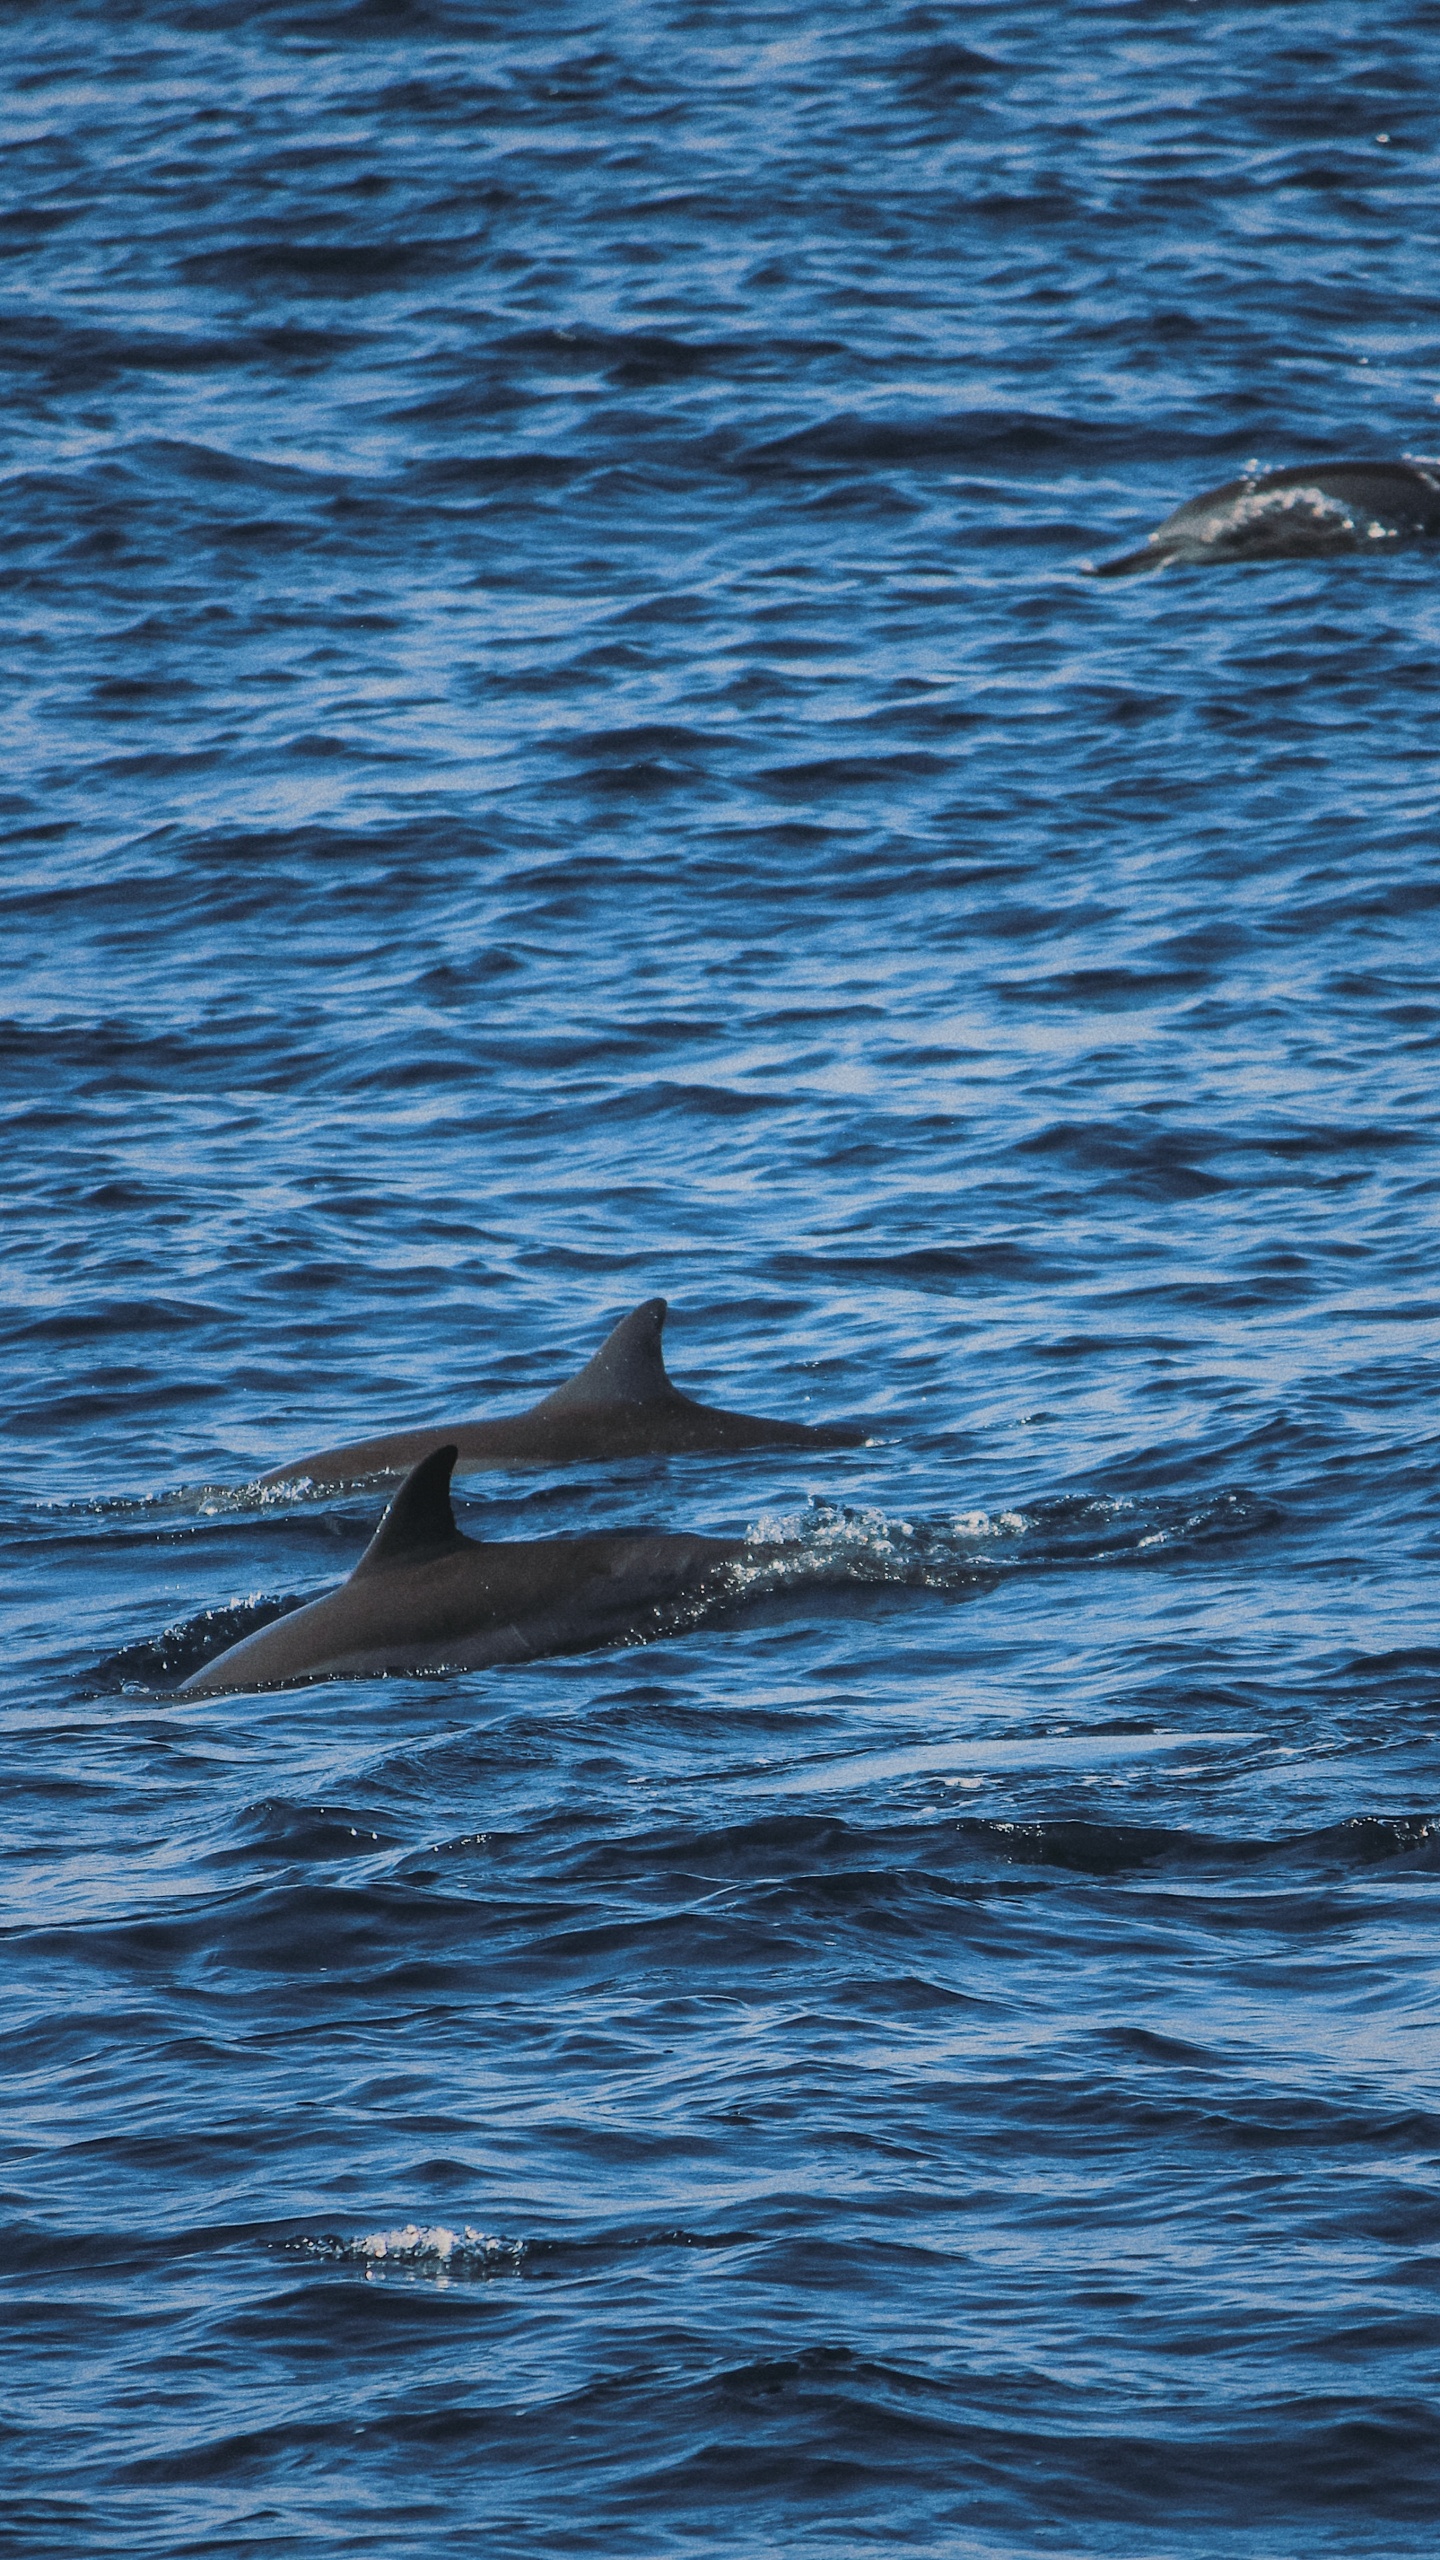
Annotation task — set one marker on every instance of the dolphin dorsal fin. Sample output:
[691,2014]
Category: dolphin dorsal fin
[420,1522]
[628,1368]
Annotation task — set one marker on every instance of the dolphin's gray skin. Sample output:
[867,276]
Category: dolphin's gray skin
[425,1598]
[1312,512]
[621,1405]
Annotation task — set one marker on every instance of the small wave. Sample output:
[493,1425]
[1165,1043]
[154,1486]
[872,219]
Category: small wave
[1015,438]
[856,1543]
[1337,1851]
[963,1764]
[418,2248]
[216,1501]
[853,1543]
[442,2253]
[161,1662]
[1122,1529]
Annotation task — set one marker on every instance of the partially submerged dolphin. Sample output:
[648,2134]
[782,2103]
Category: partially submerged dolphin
[1310,512]
[621,1405]
[425,1598]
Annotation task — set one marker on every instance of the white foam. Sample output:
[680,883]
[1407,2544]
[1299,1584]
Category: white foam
[424,2243]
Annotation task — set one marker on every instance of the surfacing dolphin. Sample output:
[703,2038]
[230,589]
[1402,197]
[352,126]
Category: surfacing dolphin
[621,1405]
[423,1597]
[1312,512]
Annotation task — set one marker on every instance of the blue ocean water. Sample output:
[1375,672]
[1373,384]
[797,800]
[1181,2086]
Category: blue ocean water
[559,748]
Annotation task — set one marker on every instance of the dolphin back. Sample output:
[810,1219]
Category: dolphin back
[628,1368]
[1305,512]
[620,1405]
[423,1597]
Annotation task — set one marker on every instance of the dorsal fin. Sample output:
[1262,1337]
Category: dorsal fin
[628,1368]
[420,1522]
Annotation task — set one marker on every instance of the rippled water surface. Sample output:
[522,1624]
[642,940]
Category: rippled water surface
[560,749]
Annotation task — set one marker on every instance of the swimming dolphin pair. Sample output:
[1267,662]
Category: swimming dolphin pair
[1310,512]
[620,1405]
[424,1597]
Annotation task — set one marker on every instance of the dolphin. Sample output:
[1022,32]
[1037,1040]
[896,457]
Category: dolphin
[620,1405]
[1310,512]
[423,1597]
